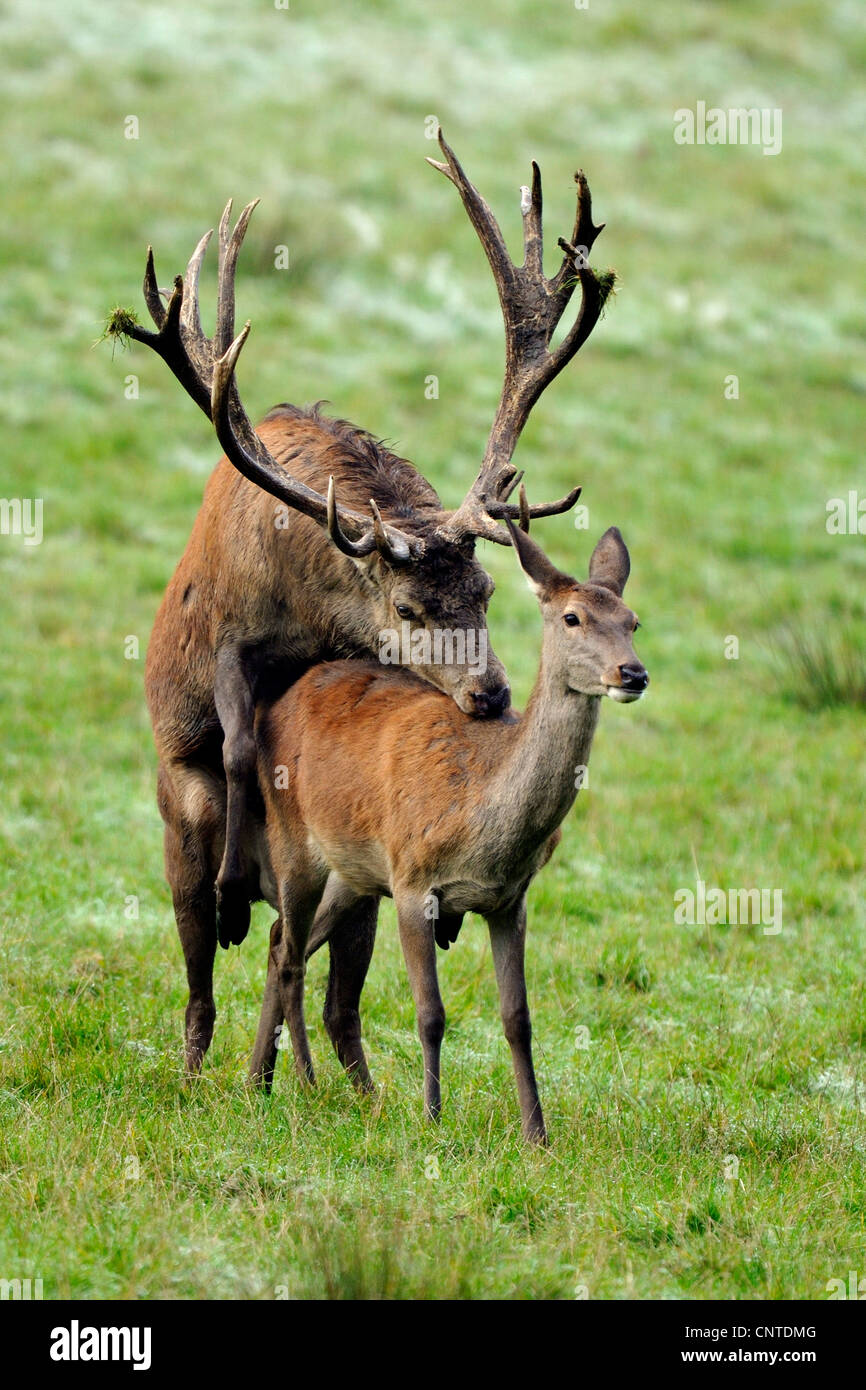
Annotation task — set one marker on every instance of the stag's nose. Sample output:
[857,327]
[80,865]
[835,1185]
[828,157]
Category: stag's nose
[634,676]
[491,703]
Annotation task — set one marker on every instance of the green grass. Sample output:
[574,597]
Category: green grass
[702,1043]
[821,666]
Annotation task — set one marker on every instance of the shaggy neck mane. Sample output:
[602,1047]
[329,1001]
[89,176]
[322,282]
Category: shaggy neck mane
[367,467]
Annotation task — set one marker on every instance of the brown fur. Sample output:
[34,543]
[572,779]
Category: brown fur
[250,607]
[375,784]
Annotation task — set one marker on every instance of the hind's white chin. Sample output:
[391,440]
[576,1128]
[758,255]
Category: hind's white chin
[623,697]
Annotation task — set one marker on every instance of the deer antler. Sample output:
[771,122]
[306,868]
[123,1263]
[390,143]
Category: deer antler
[205,368]
[532,306]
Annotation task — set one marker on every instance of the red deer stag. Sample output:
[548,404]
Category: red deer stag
[394,791]
[358,543]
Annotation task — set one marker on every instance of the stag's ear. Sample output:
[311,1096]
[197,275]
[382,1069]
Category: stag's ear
[609,565]
[542,576]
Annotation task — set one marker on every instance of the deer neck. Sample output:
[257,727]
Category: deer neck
[537,783]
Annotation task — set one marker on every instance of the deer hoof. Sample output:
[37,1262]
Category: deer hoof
[232,913]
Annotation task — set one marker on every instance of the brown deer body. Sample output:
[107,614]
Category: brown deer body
[393,791]
[251,606]
[262,592]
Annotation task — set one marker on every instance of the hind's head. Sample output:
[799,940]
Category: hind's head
[589,631]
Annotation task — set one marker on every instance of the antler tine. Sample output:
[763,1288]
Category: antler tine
[524,510]
[532,307]
[498,511]
[356,549]
[190,317]
[582,238]
[481,522]
[229,249]
[482,219]
[152,297]
[515,482]
[390,545]
[533,237]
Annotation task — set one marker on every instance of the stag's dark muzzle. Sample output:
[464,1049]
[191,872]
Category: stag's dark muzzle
[489,704]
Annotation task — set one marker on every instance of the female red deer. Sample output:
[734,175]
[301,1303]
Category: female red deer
[260,595]
[394,791]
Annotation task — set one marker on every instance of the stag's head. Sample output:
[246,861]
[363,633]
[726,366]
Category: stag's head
[428,611]
[589,631]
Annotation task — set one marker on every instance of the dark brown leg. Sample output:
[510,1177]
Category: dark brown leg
[264,1057]
[189,864]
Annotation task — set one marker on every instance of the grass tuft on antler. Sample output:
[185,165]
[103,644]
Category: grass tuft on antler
[119,326]
[606,281]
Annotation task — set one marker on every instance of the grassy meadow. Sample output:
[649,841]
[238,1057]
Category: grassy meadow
[703,1085]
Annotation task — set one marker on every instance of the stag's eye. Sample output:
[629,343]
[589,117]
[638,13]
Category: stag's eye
[403,610]
[571,620]
[636,625]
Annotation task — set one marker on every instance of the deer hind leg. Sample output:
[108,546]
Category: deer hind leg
[348,923]
[264,1058]
[234,701]
[191,805]
[507,941]
[299,898]
[419,953]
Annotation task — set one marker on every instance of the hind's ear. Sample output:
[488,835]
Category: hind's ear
[609,565]
[542,576]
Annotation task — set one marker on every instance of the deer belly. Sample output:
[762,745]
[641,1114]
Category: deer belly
[363,864]
[466,896]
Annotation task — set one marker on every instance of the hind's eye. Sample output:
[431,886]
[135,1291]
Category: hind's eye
[403,610]
[571,620]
